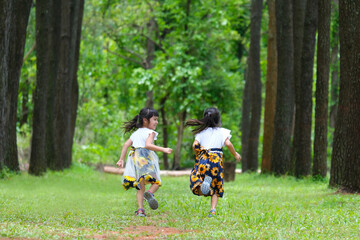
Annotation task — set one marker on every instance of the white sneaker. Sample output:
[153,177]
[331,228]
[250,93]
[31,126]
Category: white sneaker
[205,186]
[149,197]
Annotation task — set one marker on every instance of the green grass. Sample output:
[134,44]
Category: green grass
[81,203]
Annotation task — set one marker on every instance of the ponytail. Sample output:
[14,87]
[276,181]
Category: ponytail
[137,121]
[131,125]
[211,119]
[200,124]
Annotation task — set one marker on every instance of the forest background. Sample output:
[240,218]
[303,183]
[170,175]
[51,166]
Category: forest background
[116,72]
[284,74]
[181,57]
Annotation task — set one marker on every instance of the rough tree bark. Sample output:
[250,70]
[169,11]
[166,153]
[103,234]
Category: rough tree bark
[57,87]
[255,81]
[322,89]
[38,162]
[14,16]
[77,13]
[334,94]
[303,154]
[245,122]
[271,83]
[280,156]
[345,162]
[298,17]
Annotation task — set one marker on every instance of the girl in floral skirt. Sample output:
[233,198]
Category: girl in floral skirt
[206,178]
[142,165]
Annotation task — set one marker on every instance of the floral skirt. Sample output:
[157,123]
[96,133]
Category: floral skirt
[208,162]
[142,164]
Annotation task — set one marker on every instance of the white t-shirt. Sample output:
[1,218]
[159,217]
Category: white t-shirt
[213,137]
[140,135]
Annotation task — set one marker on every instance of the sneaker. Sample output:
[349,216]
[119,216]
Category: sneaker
[149,197]
[205,186]
[212,213]
[140,213]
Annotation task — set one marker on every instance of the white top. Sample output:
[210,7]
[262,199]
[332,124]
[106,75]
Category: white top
[213,137]
[140,135]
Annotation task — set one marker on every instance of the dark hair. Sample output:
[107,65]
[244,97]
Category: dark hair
[211,118]
[137,121]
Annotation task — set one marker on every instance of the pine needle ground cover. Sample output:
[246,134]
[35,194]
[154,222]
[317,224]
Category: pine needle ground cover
[82,203]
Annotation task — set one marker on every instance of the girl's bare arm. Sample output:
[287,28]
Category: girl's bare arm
[126,145]
[149,145]
[231,148]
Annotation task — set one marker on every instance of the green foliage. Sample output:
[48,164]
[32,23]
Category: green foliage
[28,72]
[199,61]
[6,173]
[193,58]
[194,66]
[98,126]
[81,203]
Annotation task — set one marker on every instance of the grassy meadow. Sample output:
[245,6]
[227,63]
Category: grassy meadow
[80,203]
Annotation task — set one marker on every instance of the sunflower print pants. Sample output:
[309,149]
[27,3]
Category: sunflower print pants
[142,164]
[208,162]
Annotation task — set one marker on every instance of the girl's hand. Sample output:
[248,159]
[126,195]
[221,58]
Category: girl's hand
[167,150]
[238,157]
[120,163]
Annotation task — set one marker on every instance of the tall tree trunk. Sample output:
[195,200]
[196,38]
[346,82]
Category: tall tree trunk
[255,81]
[53,48]
[322,89]
[345,162]
[180,133]
[165,132]
[13,22]
[299,18]
[245,122]
[77,13]
[63,86]
[38,163]
[303,155]
[5,7]
[280,156]
[62,22]
[65,101]
[334,94]
[271,83]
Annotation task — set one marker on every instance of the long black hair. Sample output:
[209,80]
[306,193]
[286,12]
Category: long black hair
[137,121]
[211,118]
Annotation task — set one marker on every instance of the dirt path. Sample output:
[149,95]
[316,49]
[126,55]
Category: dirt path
[140,233]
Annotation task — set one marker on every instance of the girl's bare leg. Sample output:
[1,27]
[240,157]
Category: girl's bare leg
[214,200]
[140,195]
[153,188]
